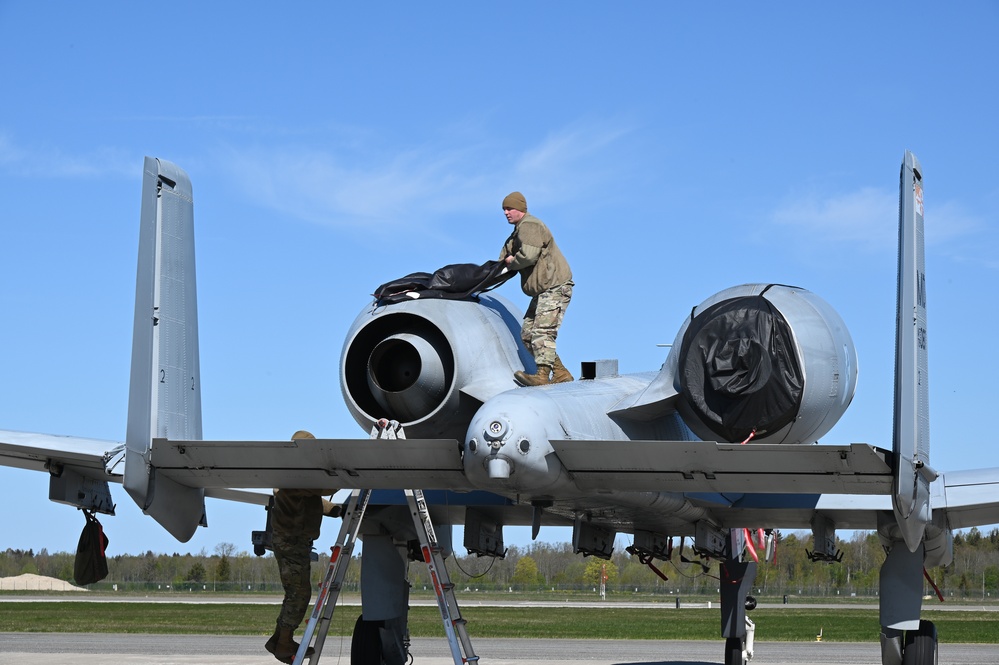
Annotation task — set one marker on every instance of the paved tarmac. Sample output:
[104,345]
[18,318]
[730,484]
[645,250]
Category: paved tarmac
[122,649]
[470,601]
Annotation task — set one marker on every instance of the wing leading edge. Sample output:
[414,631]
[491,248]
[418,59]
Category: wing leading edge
[704,466]
[315,463]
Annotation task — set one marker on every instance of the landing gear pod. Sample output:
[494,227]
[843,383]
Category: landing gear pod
[767,363]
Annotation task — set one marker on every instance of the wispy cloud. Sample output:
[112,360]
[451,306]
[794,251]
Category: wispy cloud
[366,185]
[571,161]
[321,187]
[49,162]
[866,219]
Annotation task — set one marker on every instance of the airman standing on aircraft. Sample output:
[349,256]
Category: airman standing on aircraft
[546,277]
[295,521]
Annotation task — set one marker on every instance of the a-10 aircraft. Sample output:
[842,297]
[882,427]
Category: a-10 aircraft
[721,440]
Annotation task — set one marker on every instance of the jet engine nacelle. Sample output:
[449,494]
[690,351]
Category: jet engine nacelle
[430,363]
[771,362]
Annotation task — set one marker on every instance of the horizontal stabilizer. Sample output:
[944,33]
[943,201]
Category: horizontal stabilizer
[77,468]
[971,498]
[327,464]
[704,466]
[241,496]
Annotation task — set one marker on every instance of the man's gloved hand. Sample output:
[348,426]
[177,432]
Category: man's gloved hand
[331,509]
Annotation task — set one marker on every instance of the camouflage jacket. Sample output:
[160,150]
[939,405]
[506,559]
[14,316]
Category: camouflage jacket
[535,256]
[299,512]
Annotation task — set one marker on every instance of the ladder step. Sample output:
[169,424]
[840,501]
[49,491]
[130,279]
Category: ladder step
[318,624]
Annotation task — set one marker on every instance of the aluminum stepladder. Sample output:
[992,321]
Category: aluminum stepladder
[454,624]
[340,557]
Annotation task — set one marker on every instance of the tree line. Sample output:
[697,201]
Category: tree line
[550,568]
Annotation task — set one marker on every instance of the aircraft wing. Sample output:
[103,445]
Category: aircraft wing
[705,466]
[970,498]
[38,452]
[79,464]
[313,463]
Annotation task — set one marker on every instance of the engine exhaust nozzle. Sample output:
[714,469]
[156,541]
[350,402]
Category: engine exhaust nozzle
[406,376]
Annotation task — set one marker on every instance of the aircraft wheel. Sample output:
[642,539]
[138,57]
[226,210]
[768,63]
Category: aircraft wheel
[366,643]
[733,651]
[921,645]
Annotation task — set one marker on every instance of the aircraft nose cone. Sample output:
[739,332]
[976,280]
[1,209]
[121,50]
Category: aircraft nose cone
[507,446]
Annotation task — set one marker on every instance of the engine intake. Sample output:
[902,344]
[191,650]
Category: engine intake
[771,362]
[398,367]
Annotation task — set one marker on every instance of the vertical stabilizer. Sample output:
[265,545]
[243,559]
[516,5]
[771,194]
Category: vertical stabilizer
[911,437]
[164,397]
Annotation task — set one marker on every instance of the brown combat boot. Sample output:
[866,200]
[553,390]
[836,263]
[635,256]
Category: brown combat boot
[559,373]
[271,642]
[283,646]
[540,378]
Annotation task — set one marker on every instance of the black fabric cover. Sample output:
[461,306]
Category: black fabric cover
[91,563]
[457,281]
[738,368]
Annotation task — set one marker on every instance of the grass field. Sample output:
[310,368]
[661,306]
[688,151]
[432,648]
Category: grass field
[654,623]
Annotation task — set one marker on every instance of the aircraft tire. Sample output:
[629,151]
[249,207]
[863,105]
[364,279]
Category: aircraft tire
[366,643]
[921,645]
[733,651]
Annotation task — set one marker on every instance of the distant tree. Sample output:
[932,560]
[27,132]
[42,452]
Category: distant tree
[526,572]
[223,569]
[197,573]
[572,574]
[990,578]
[66,570]
[595,568]
[150,571]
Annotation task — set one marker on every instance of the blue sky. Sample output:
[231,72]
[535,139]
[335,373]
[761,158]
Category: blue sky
[675,149]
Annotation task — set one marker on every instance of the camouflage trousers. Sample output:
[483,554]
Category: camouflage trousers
[294,563]
[542,321]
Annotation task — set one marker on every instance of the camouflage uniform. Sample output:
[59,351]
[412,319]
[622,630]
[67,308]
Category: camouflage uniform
[542,321]
[546,277]
[295,521]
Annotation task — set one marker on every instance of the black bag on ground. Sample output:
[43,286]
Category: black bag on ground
[91,563]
